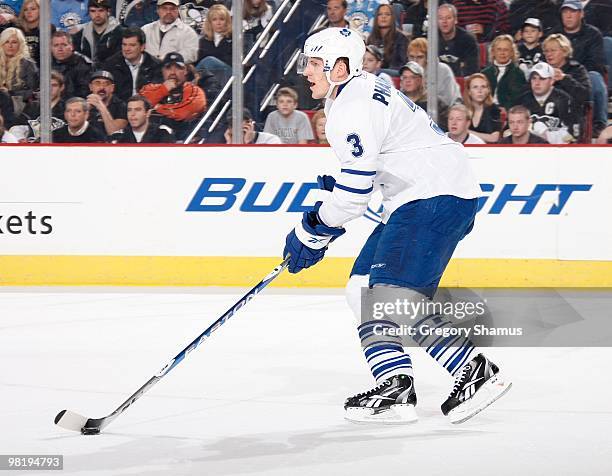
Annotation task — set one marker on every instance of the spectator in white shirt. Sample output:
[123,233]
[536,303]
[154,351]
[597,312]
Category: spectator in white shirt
[169,34]
[458,125]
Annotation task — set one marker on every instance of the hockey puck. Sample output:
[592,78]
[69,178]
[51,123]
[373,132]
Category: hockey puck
[90,431]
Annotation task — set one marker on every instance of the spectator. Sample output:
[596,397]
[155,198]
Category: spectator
[77,128]
[546,10]
[416,18]
[58,85]
[28,21]
[372,63]
[484,113]
[570,76]
[606,136]
[69,15]
[18,73]
[485,19]
[256,15]
[318,122]
[133,67]
[506,79]
[386,36]
[249,134]
[5,136]
[587,44]
[587,41]
[169,34]
[7,110]
[9,10]
[447,88]
[106,112]
[140,129]
[530,48]
[27,125]
[551,108]
[598,13]
[176,100]
[290,125]
[458,125]
[206,81]
[362,15]
[138,14]
[456,47]
[99,38]
[411,83]
[519,123]
[215,51]
[336,14]
[75,67]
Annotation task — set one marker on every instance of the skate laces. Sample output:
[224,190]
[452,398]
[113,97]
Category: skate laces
[460,380]
[375,390]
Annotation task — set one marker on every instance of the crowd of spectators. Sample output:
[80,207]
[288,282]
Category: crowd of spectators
[508,71]
[549,58]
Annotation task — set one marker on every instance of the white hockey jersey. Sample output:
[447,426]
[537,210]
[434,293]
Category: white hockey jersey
[385,142]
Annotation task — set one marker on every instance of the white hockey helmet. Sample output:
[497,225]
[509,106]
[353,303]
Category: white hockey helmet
[331,44]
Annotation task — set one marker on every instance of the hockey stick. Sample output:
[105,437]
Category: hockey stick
[92,426]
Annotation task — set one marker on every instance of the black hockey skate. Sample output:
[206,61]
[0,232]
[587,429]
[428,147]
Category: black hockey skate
[392,401]
[477,385]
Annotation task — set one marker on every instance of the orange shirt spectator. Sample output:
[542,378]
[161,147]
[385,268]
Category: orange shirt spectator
[175,98]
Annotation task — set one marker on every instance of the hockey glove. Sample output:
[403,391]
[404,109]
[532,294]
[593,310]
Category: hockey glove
[308,241]
[326,182]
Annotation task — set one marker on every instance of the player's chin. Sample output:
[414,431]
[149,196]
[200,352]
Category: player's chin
[317,94]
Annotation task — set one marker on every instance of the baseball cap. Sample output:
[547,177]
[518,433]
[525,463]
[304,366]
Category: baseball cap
[573,4]
[99,4]
[375,51]
[101,74]
[544,70]
[414,67]
[534,22]
[173,2]
[173,58]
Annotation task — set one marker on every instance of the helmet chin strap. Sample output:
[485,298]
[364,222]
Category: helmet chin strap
[333,84]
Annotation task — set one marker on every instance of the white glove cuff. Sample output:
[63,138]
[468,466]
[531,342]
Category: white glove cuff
[316,242]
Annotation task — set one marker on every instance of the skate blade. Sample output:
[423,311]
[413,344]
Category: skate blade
[395,415]
[495,388]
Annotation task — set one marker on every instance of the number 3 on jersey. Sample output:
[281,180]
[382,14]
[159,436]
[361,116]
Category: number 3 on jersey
[355,141]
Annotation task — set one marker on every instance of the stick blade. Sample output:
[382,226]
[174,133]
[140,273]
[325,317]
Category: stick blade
[70,420]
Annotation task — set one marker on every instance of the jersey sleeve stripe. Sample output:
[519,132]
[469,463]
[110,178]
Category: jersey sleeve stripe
[362,191]
[368,173]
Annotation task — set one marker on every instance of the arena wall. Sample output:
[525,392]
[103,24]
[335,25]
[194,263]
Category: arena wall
[218,216]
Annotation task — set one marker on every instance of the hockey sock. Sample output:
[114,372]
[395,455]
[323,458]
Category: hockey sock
[451,352]
[383,350]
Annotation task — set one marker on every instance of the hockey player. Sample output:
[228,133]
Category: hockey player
[385,142]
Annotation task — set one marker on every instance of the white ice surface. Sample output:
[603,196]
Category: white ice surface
[264,395]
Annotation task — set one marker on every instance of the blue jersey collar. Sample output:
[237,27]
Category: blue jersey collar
[342,86]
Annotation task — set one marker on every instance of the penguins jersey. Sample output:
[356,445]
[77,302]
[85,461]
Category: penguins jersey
[385,142]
